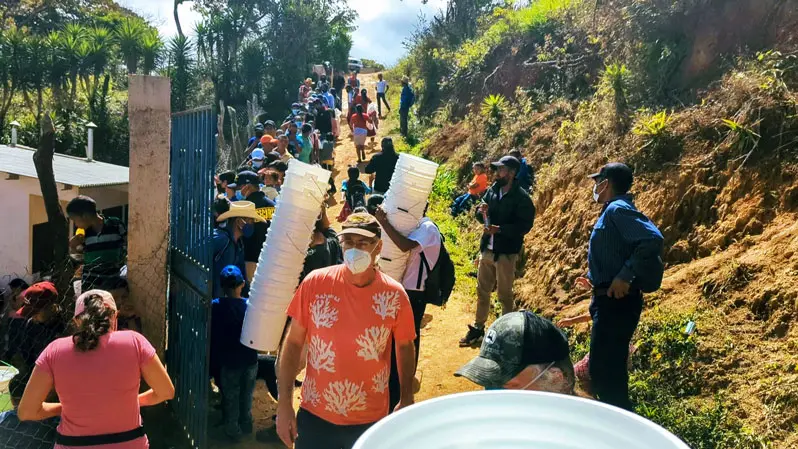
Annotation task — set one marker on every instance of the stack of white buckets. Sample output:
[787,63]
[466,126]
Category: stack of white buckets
[405,201]
[283,255]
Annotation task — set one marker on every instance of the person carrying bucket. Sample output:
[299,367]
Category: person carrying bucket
[347,315]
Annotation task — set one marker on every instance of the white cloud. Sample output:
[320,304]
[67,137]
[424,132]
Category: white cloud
[382,25]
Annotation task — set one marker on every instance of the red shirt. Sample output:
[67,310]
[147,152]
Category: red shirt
[360,121]
[349,333]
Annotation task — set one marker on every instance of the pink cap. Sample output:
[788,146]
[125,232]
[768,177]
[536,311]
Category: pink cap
[108,300]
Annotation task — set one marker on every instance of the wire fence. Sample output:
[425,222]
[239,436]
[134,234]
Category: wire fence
[140,291]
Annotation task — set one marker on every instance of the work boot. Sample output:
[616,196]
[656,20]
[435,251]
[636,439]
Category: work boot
[473,336]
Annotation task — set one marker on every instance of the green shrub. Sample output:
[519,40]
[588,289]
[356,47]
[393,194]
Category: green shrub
[659,143]
[494,107]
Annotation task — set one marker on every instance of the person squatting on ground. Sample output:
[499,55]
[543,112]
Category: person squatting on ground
[234,365]
[424,246]
[477,186]
[507,214]
[347,315]
[96,373]
[522,351]
[624,260]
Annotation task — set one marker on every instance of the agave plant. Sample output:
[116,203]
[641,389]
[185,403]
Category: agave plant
[151,48]
[493,109]
[129,34]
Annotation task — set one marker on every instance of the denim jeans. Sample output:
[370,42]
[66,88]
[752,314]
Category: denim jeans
[462,203]
[316,433]
[238,388]
[614,323]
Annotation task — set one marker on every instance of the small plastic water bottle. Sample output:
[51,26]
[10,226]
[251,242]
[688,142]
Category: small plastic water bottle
[690,328]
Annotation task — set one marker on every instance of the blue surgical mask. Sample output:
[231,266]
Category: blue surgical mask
[239,196]
[248,230]
[295,111]
[257,164]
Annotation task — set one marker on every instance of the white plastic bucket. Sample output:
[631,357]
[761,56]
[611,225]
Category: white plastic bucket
[515,420]
[417,164]
[262,330]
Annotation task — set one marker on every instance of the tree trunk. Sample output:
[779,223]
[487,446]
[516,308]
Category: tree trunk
[177,18]
[43,161]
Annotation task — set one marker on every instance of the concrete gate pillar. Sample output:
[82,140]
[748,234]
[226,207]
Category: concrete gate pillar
[149,112]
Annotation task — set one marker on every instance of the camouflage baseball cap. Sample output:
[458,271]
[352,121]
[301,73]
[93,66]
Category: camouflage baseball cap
[512,343]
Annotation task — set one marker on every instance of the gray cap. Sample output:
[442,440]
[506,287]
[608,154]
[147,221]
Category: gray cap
[512,343]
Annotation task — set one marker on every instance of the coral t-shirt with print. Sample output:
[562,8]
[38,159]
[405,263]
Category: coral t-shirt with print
[349,333]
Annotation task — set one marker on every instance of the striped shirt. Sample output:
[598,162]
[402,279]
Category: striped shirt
[104,255]
[621,244]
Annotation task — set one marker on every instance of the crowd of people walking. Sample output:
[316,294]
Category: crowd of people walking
[354,330]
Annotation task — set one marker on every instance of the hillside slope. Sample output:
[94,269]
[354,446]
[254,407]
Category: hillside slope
[718,174]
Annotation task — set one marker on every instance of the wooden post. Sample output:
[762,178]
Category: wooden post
[148,220]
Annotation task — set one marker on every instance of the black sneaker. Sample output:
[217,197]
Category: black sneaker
[473,336]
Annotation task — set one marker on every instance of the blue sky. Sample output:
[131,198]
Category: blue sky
[382,24]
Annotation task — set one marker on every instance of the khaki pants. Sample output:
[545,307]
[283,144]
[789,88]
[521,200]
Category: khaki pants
[495,273]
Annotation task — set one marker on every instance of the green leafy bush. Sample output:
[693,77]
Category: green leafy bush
[494,107]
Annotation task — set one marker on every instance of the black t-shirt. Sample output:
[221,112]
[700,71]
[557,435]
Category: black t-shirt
[324,121]
[320,256]
[254,244]
[338,83]
[383,166]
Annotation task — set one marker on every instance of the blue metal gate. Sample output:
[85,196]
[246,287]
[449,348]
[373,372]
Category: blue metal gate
[193,163]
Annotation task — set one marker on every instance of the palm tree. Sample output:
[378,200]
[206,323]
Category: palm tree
[129,34]
[151,47]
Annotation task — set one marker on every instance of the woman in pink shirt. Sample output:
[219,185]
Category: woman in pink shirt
[97,375]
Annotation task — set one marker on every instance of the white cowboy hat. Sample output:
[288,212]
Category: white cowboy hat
[241,209]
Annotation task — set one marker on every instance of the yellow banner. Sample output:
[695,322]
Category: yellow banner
[265,212]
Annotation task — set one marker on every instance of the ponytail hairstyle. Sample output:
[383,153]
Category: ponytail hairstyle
[359,110]
[95,311]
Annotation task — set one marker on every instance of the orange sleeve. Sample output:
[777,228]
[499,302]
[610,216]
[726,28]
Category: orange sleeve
[404,329]
[298,310]
[482,180]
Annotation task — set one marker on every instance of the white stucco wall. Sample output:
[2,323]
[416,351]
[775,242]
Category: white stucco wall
[23,207]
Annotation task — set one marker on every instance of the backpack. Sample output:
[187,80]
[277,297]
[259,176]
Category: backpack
[356,195]
[440,279]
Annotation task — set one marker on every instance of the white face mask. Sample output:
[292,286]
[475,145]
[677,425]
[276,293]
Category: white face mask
[357,260]
[597,194]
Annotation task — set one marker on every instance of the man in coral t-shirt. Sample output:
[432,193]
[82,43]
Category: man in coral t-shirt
[348,315]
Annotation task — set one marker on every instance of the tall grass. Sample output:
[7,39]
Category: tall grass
[508,22]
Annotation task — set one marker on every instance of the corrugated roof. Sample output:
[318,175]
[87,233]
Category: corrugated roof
[70,170]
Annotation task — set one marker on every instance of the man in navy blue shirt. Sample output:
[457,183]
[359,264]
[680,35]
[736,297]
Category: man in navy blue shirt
[624,260]
[406,101]
[236,364]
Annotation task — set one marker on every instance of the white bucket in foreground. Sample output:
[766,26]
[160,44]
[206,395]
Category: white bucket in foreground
[516,420]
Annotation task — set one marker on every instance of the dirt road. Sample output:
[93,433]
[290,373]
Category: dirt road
[440,355]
